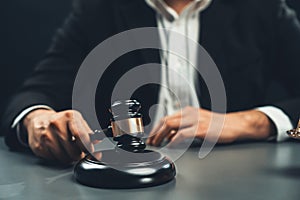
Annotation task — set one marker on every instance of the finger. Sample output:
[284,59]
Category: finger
[60,136]
[70,148]
[37,144]
[161,123]
[164,131]
[171,135]
[56,148]
[90,132]
[74,152]
[60,157]
[157,127]
[42,152]
[180,136]
[80,130]
[97,155]
[161,129]
[153,132]
[182,116]
[169,127]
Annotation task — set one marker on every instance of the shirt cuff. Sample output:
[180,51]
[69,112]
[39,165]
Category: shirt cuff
[280,120]
[16,123]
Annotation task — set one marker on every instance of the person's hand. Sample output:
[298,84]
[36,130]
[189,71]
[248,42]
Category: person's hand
[58,136]
[194,122]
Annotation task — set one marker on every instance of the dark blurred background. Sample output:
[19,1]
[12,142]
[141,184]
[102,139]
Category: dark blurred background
[27,27]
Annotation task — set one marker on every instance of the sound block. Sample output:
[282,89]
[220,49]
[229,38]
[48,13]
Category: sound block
[120,169]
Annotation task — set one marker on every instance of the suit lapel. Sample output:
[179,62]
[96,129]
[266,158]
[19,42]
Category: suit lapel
[216,21]
[215,25]
[137,14]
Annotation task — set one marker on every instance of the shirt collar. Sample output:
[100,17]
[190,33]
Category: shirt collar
[170,14]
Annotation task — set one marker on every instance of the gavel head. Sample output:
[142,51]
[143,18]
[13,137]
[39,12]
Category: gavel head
[127,125]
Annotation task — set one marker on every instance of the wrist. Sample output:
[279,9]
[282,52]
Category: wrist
[258,125]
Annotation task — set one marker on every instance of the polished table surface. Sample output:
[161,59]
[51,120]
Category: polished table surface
[240,171]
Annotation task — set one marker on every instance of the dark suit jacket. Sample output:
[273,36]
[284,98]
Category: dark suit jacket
[294,4]
[25,24]
[254,43]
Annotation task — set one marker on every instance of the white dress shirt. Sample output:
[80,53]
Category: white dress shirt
[177,32]
[188,24]
[177,74]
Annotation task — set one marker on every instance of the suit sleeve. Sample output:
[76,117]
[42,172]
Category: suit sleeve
[287,57]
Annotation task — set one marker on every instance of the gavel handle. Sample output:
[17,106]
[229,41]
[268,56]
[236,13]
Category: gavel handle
[101,134]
